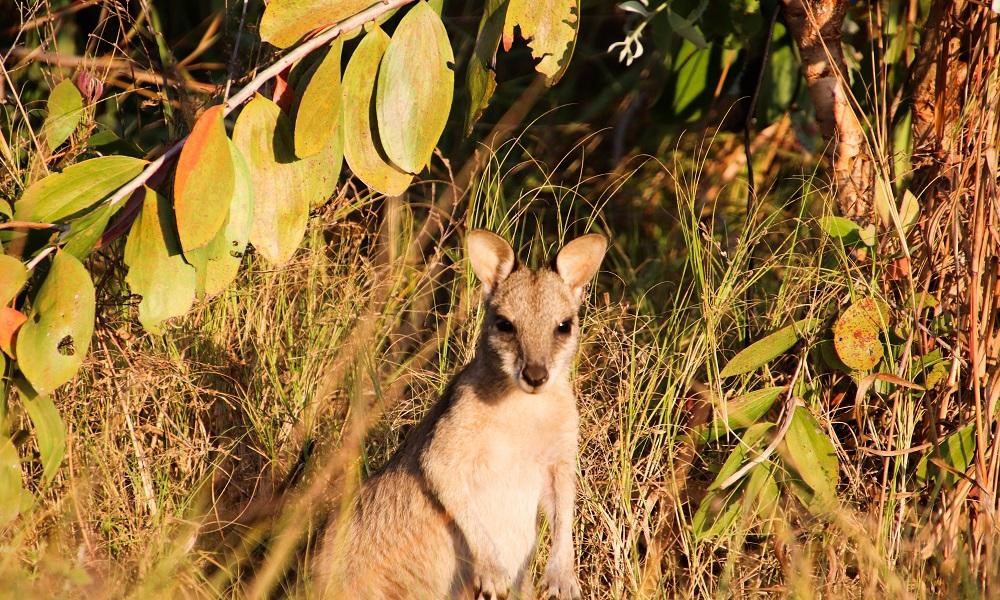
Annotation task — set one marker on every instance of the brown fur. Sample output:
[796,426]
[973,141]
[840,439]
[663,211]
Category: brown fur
[454,513]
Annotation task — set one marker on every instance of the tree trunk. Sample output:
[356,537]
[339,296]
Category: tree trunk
[815,26]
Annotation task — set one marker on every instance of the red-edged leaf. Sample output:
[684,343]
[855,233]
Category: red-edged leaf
[203,185]
[10,321]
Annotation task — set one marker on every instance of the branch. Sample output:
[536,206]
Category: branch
[349,24]
[119,65]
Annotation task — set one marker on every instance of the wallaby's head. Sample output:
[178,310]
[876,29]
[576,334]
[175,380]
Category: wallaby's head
[532,325]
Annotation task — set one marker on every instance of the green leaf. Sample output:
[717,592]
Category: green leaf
[909,210]
[686,29]
[781,78]
[415,86]
[838,227]
[286,21]
[480,76]
[691,80]
[719,509]
[808,451]
[318,174]
[156,267]
[319,111]
[362,148]
[13,276]
[263,135]
[856,334]
[52,343]
[218,263]
[742,412]
[65,110]
[204,181]
[85,231]
[550,26]
[49,431]
[765,350]
[956,450]
[11,488]
[76,189]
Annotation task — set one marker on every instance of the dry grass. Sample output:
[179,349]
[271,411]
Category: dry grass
[201,463]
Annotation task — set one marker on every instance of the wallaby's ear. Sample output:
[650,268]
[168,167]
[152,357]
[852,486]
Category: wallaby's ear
[491,256]
[578,261]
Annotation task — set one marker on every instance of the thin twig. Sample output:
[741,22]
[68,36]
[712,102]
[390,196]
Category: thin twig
[28,225]
[119,65]
[236,47]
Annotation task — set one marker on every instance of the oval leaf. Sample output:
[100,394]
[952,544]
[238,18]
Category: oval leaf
[319,111]
[480,77]
[956,451]
[362,149]
[415,86]
[11,488]
[203,184]
[10,322]
[156,267]
[76,189]
[286,21]
[839,227]
[52,343]
[856,334]
[741,412]
[13,276]
[809,452]
[263,136]
[49,432]
[764,351]
[550,27]
[219,262]
[65,110]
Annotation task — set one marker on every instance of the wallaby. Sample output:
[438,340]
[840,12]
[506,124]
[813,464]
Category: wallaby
[454,513]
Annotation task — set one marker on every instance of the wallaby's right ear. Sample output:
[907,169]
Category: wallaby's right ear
[491,256]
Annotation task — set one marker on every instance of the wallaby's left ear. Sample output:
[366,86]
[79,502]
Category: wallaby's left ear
[578,261]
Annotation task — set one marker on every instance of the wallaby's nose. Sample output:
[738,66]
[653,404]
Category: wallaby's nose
[535,375]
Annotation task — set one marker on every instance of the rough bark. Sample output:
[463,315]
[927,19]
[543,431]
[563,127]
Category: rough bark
[815,26]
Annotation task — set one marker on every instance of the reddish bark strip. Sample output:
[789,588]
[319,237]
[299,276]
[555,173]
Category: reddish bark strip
[815,26]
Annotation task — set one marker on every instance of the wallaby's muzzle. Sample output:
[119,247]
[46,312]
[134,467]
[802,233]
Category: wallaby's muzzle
[535,375]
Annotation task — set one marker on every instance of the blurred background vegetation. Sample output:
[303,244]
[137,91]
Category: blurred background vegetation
[194,456]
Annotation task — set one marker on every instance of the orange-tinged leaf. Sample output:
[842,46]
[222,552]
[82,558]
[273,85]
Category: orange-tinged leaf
[10,321]
[550,27]
[362,148]
[318,116]
[284,93]
[287,21]
[204,182]
[415,87]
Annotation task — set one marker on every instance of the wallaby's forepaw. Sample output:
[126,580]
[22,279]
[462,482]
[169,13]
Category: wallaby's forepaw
[562,585]
[492,583]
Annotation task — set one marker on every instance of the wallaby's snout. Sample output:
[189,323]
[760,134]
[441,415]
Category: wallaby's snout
[531,326]
[535,375]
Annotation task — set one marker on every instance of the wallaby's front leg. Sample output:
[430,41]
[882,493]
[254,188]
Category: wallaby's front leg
[560,573]
[490,580]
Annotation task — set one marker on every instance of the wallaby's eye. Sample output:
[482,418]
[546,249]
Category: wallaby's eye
[565,327]
[504,326]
